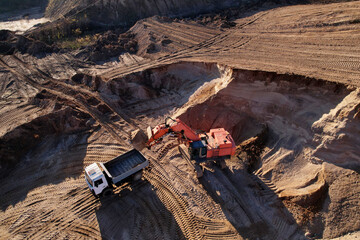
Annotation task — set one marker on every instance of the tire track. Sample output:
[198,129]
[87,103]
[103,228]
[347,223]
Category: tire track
[79,101]
[178,206]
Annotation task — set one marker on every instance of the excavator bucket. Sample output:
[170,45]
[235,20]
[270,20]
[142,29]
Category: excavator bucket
[138,139]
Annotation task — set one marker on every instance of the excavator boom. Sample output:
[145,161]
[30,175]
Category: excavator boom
[176,126]
[155,135]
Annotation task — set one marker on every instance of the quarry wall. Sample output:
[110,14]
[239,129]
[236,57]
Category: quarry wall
[125,12]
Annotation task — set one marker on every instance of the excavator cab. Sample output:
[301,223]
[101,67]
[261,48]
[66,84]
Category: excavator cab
[198,150]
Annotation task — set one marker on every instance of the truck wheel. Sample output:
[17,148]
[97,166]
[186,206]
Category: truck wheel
[137,176]
[199,172]
[222,164]
[107,192]
[93,193]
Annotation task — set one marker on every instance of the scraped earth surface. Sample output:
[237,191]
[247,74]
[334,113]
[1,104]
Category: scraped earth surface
[284,82]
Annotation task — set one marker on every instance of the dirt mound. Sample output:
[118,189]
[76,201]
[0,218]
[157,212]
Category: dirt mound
[10,43]
[111,45]
[93,82]
[338,129]
[251,149]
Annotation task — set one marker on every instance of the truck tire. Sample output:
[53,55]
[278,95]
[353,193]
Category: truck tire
[93,193]
[137,176]
[107,192]
[222,164]
[198,171]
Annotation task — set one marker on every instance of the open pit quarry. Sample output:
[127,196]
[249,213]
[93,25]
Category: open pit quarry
[285,82]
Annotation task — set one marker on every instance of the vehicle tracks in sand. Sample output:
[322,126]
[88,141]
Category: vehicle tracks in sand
[198,45]
[213,225]
[47,220]
[171,58]
[199,196]
[82,206]
[282,40]
[76,96]
[176,204]
[40,212]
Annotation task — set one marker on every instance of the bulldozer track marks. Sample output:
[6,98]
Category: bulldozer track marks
[171,58]
[197,47]
[61,89]
[83,207]
[179,206]
[56,220]
[189,223]
[269,46]
[176,204]
[211,211]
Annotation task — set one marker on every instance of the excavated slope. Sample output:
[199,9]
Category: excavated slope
[318,41]
[127,12]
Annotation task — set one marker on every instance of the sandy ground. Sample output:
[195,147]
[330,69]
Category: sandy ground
[22,25]
[59,115]
[320,41]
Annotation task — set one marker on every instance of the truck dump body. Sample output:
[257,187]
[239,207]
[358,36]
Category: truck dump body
[125,165]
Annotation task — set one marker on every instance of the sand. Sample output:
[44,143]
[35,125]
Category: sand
[60,114]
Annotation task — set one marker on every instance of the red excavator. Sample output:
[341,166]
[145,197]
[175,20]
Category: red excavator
[216,145]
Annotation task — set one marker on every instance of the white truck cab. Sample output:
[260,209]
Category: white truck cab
[95,178]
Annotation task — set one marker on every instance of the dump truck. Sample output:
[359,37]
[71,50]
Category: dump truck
[103,177]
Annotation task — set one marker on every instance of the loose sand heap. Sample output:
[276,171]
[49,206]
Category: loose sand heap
[283,82]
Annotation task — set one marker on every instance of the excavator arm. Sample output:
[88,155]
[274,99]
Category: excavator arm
[155,135]
[177,127]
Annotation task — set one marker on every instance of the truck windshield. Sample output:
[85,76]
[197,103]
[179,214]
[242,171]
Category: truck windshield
[88,179]
[98,182]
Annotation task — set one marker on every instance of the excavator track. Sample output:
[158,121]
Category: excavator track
[185,155]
